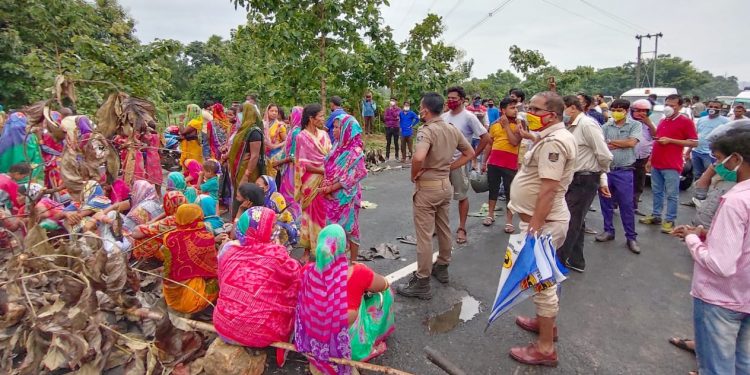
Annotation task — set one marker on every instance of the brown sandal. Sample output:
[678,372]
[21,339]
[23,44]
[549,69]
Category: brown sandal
[460,239]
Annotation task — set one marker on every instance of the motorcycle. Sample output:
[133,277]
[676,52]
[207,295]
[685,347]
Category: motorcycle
[170,154]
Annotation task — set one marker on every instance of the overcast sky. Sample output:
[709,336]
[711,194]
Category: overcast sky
[713,34]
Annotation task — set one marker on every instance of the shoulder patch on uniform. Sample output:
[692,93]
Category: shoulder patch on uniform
[553,156]
[420,136]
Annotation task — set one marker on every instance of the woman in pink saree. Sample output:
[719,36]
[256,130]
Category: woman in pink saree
[313,144]
[286,165]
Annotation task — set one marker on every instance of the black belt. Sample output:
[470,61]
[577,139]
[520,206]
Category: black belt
[585,173]
[628,168]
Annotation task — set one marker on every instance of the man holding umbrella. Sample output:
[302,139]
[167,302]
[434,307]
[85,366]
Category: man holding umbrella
[545,173]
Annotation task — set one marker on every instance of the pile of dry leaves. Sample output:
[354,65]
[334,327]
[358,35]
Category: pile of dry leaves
[65,306]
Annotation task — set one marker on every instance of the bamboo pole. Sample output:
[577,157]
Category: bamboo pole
[203,326]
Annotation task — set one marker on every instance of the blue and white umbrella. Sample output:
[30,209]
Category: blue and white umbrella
[529,266]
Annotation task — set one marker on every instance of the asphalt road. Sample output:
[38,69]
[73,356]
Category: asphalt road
[614,319]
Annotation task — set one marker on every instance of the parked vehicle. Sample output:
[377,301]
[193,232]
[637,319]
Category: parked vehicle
[170,154]
[742,98]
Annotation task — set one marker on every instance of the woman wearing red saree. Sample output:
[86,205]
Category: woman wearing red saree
[190,259]
[313,144]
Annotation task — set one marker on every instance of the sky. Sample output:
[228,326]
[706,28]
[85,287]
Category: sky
[712,34]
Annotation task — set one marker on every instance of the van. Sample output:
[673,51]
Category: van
[742,98]
[643,93]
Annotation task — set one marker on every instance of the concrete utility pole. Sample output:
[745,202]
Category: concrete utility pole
[638,82]
[638,62]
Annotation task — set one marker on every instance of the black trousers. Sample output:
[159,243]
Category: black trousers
[391,133]
[581,193]
[496,175]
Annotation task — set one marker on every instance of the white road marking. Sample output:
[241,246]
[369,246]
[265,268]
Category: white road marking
[406,271]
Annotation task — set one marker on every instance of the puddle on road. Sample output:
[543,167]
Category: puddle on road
[462,311]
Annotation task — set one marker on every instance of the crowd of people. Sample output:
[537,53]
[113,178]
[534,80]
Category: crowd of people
[253,186]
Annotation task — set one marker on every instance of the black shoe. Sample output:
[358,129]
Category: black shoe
[578,269]
[416,287]
[639,213]
[633,246]
[604,237]
[440,272]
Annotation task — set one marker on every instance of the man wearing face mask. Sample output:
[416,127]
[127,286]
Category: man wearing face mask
[430,168]
[673,134]
[591,167]
[493,113]
[368,112]
[621,134]
[470,127]
[407,120]
[392,128]
[701,155]
[538,196]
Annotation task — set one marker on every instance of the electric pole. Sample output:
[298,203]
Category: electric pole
[638,82]
[638,62]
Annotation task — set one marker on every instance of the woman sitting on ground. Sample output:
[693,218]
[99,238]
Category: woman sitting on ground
[337,292]
[277,203]
[248,195]
[176,181]
[258,284]
[149,238]
[190,260]
[213,222]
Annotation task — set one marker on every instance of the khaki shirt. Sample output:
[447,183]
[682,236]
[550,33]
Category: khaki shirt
[554,158]
[593,153]
[443,139]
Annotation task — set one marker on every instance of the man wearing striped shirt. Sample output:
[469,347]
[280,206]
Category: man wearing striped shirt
[621,134]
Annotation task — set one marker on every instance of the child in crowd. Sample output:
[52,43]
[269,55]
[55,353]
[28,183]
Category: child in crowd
[209,180]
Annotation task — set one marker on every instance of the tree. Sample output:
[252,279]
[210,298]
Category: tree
[86,41]
[495,85]
[526,61]
[311,34]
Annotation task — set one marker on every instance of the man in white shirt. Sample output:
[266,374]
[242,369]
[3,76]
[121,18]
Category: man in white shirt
[470,127]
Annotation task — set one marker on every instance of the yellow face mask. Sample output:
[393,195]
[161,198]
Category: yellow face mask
[534,122]
[618,116]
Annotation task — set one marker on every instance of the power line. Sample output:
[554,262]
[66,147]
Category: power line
[615,17]
[483,20]
[586,18]
[406,15]
[453,9]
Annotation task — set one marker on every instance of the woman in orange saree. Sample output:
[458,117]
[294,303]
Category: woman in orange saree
[190,260]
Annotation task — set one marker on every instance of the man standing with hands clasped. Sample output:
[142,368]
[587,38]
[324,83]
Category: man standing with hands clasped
[430,168]
[538,196]
[621,134]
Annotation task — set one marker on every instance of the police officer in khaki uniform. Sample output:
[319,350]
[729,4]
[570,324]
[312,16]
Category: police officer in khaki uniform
[546,172]
[431,165]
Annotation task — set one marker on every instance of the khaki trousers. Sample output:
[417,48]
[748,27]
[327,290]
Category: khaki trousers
[546,301]
[431,203]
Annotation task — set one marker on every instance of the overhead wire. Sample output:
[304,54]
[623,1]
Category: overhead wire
[483,20]
[586,18]
[616,18]
[458,3]
[406,15]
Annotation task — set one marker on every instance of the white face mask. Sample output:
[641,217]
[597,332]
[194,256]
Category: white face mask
[668,112]
[393,103]
[406,108]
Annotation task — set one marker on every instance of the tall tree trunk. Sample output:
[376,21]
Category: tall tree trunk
[322,45]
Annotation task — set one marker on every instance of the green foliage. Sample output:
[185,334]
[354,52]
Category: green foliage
[526,61]
[86,41]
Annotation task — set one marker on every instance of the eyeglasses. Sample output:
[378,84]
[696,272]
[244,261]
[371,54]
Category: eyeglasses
[536,109]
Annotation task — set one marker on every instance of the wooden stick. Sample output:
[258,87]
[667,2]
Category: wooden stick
[441,361]
[203,326]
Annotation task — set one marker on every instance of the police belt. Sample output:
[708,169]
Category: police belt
[432,183]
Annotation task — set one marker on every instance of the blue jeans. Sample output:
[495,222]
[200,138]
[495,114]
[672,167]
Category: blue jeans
[722,339]
[665,181]
[701,162]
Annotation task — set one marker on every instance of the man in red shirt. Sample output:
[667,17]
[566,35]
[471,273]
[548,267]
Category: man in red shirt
[674,132]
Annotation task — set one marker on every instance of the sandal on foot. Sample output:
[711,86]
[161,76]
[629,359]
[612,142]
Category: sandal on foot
[488,221]
[509,228]
[682,344]
[460,239]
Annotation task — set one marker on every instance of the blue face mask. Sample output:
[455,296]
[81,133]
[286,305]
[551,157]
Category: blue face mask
[566,118]
[725,173]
